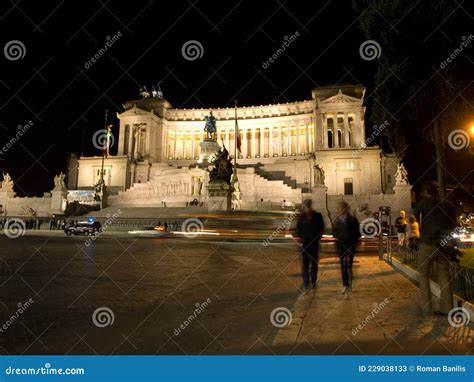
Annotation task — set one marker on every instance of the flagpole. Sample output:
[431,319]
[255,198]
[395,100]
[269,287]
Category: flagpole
[236,140]
[103,155]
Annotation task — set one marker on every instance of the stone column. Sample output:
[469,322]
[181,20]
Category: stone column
[308,149]
[346,130]
[270,141]
[280,142]
[175,152]
[335,135]
[262,142]
[298,150]
[227,140]
[325,131]
[288,140]
[244,143]
[253,143]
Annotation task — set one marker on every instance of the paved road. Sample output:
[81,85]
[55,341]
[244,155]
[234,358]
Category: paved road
[151,285]
[219,294]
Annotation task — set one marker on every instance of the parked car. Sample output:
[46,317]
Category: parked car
[82,228]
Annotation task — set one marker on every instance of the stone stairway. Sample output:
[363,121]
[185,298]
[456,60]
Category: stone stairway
[276,175]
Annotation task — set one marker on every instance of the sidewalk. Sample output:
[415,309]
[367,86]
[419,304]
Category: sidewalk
[381,315]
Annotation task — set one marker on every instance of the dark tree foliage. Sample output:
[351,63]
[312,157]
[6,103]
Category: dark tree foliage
[414,83]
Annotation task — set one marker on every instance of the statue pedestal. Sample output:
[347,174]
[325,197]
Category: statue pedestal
[403,197]
[318,196]
[5,194]
[57,201]
[209,147]
[219,198]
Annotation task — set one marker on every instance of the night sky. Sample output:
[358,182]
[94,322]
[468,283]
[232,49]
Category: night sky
[52,87]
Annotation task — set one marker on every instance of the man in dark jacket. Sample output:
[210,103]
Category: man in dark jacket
[310,228]
[347,233]
[438,220]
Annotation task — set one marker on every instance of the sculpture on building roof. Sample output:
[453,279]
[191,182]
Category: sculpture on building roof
[7,183]
[59,184]
[144,92]
[210,128]
[156,93]
[401,176]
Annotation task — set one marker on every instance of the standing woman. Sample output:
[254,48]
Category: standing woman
[347,233]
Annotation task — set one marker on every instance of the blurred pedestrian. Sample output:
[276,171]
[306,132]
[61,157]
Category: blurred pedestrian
[347,234]
[401,226]
[413,233]
[309,228]
[437,219]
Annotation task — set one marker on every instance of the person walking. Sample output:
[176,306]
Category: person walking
[438,220]
[401,226]
[347,234]
[413,233]
[309,228]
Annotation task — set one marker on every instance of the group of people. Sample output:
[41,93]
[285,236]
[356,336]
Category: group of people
[408,231]
[310,228]
[437,218]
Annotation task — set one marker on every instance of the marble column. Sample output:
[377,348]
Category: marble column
[175,152]
[253,143]
[270,142]
[335,133]
[325,131]
[346,130]
[307,148]
[297,130]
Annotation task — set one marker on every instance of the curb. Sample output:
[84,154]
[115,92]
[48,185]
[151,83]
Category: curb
[413,276]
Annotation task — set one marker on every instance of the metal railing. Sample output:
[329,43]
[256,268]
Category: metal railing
[462,276]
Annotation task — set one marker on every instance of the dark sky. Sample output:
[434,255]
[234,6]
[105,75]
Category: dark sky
[51,86]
